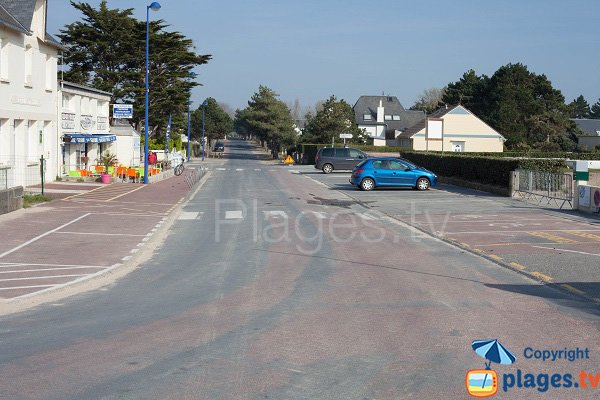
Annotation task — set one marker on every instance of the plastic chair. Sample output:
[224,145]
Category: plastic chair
[132,173]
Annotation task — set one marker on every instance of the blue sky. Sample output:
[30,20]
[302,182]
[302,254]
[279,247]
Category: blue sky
[311,49]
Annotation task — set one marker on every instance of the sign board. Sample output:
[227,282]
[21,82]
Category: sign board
[435,129]
[122,111]
[584,196]
[86,122]
[345,136]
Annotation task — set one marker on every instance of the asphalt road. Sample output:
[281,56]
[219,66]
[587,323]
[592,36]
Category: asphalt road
[271,285]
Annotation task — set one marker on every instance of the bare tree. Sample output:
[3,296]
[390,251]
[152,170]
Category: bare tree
[430,100]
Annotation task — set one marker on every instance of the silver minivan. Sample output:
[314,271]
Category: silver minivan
[333,158]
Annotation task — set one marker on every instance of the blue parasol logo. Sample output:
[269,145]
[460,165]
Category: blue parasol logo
[484,382]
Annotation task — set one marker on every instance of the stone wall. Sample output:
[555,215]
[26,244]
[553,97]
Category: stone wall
[11,199]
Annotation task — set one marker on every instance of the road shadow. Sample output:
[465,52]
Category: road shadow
[553,293]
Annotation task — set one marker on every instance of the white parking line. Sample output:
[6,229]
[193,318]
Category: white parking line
[19,247]
[187,215]
[275,214]
[234,214]
[42,277]
[43,269]
[4,265]
[27,287]
[96,233]
[569,251]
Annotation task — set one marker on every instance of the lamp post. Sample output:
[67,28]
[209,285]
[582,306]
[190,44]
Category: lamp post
[155,6]
[189,154]
[205,103]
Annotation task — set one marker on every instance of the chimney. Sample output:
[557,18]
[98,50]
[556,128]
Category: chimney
[380,111]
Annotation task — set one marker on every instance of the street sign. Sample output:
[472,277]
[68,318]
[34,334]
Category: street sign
[122,111]
[345,136]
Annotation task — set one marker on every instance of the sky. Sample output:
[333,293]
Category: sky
[312,49]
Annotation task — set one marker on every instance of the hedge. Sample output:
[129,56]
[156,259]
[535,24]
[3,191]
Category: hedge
[487,170]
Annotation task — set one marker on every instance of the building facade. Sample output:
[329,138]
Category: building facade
[452,129]
[84,129]
[28,93]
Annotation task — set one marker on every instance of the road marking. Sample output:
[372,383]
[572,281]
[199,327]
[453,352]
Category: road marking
[234,214]
[41,277]
[551,237]
[220,169]
[3,265]
[517,266]
[495,257]
[542,276]
[367,217]
[121,195]
[187,215]
[257,169]
[586,235]
[27,287]
[19,247]
[275,214]
[43,269]
[96,233]
[319,214]
[568,251]
[572,289]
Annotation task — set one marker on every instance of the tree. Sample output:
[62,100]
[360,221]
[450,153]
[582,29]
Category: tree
[471,91]
[106,50]
[595,111]
[217,123]
[269,119]
[579,108]
[430,100]
[334,117]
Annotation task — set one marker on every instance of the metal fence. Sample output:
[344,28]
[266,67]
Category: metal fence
[544,188]
[20,172]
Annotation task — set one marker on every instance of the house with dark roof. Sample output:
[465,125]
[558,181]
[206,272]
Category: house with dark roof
[28,87]
[591,133]
[384,118]
[452,129]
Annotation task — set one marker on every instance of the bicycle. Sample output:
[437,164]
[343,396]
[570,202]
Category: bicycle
[179,168]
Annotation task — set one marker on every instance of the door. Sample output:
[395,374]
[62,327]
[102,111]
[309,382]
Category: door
[342,159]
[401,174]
[382,173]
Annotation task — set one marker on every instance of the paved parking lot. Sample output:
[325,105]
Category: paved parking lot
[560,247]
[86,234]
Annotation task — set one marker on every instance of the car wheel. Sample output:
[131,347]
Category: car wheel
[423,184]
[327,168]
[367,184]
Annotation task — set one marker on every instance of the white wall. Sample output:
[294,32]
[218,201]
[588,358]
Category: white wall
[28,101]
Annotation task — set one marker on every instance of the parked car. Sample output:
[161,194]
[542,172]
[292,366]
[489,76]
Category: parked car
[219,147]
[391,171]
[332,158]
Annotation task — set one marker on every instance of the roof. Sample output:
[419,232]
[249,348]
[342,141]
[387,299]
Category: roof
[18,14]
[591,127]
[84,88]
[20,10]
[440,113]
[391,104]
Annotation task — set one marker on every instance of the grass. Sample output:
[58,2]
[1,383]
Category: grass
[32,199]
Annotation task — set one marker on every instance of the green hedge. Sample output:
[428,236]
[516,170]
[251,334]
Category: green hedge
[532,154]
[487,170]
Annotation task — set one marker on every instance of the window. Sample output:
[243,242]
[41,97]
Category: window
[328,152]
[50,74]
[3,59]
[397,165]
[396,117]
[28,66]
[66,101]
[342,153]
[355,153]
[388,117]
[367,117]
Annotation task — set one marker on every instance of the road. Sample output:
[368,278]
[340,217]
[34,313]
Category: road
[273,285]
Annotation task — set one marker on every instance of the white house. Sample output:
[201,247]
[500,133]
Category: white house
[84,126]
[28,92]
[452,129]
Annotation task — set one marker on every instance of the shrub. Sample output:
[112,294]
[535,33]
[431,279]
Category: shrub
[487,170]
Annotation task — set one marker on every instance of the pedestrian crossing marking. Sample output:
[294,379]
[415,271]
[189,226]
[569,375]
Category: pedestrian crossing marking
[586,235]
[551,237]
[237,214]
[188,215]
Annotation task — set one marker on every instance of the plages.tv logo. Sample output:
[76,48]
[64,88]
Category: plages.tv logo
[484,382]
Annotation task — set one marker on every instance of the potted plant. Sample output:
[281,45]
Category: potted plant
[107,159]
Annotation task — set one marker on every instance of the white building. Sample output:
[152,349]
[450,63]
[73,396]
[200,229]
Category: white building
[84,126]
[28,92]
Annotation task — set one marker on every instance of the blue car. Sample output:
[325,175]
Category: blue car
[391,171]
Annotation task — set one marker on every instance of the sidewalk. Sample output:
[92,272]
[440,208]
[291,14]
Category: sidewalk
[87,233]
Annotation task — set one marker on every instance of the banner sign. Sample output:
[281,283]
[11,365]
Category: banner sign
[122,111]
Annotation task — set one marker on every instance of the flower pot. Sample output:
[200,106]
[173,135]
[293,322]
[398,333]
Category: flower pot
[105,178]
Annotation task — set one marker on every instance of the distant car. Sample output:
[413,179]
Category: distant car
[219,147]
[334,158]
[391,171]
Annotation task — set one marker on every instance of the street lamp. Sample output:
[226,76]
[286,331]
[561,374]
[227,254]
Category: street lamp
[205,103]
[189,154]
[155,6]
